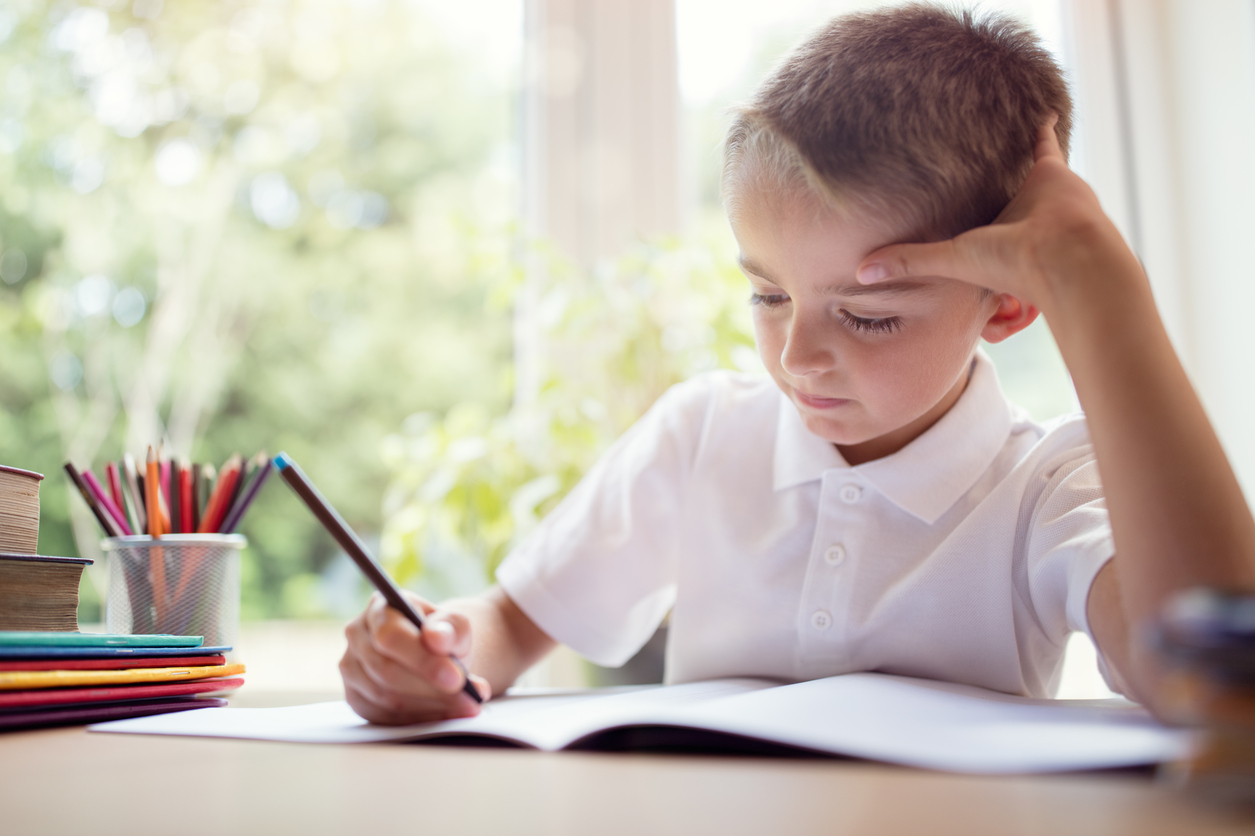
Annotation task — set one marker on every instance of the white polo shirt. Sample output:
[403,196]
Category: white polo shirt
[967,556]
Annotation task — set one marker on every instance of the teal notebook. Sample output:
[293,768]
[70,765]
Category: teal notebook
[15,638]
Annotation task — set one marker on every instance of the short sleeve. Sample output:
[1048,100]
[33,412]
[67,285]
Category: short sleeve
[599,572]
[1069,541]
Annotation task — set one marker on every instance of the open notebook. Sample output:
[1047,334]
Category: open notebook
[873,716]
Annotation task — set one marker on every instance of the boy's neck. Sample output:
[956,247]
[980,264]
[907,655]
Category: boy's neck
[890,443]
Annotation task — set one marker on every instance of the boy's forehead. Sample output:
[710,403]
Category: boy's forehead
[846,287]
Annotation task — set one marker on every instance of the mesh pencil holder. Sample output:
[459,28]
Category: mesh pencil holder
[182,584]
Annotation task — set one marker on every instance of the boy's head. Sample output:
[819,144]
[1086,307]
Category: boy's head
[923,117]
[908,124]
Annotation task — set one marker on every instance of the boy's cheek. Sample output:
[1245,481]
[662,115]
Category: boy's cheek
[769,342]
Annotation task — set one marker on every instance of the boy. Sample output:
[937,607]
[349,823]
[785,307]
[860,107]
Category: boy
[898,190]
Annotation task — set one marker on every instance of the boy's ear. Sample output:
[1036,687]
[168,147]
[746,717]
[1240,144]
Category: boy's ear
[1011,317]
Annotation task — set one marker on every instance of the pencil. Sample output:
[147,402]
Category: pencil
[163,466]
[222,493]
[114,483]
[176,498]
[186,523]
[131,474]
[196,499]
[163,489]
[110,528]
[356,549]
[233,517]
[104,501]
[156,554]
[113,475]
[152,485]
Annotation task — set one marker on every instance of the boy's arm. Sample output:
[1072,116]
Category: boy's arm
[394,674]
[1177,513]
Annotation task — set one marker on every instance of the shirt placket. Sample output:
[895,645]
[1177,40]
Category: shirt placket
[823,624]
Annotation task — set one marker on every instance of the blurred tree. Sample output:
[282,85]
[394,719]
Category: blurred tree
[244,225]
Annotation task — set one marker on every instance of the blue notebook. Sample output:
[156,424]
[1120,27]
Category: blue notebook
[37,652]
[11,638]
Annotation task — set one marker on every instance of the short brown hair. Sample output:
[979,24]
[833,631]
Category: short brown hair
[921,114]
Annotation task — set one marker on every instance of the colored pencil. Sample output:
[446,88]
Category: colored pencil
[114,483]
[156,556]
[102,517]
[222,493]
[356,549]
[153,485]
[163,468]
[131,474]
[113,476]
[186,525]
[233,517]
[208,475]
[105,502]
[176,505]
[196,504]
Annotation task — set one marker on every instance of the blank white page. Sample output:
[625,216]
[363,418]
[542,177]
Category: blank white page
[886,718]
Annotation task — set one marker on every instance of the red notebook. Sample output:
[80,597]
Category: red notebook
[124,663]
[114,693]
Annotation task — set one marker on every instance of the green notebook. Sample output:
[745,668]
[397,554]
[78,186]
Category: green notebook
[10,638]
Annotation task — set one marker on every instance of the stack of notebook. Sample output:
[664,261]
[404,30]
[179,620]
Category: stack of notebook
[54,678]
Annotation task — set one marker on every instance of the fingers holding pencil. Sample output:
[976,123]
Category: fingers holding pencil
[395,674]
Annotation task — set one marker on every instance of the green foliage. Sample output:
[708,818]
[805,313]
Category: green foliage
[467,487]
[242,226]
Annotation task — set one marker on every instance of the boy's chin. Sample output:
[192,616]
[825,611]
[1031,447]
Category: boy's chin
[834,432]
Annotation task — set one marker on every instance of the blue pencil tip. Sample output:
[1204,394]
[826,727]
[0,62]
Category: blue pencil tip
[282,461]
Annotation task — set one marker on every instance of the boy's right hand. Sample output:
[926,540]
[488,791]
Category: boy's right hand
[396,674]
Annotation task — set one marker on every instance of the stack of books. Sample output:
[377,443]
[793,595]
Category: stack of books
[50,673]
[36,592]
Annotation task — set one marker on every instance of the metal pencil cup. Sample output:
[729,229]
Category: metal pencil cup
[182,584]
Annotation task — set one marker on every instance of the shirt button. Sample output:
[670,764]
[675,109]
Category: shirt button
[850,494]
[834,554]
[820,620]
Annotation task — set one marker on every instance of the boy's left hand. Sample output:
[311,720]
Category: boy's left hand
[1053,231]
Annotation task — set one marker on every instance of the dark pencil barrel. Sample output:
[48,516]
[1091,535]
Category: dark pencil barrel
[356,549]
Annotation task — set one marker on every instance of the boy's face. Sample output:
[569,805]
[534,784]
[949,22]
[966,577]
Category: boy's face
[868,367]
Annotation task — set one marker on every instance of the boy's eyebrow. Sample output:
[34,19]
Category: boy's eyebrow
[899,286]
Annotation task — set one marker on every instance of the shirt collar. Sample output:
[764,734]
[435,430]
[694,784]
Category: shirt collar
[926,477]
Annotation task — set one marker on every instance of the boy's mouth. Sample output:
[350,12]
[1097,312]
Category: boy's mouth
[816,402]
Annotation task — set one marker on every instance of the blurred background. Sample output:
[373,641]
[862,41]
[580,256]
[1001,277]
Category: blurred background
[443,253]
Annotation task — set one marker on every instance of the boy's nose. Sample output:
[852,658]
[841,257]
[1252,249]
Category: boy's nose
[805,349]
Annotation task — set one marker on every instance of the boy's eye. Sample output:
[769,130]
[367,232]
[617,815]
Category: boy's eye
[884,325]
[768,300]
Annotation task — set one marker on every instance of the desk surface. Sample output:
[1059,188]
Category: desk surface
[72,781]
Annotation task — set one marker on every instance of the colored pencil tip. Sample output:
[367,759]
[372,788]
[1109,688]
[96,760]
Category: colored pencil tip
[282,461]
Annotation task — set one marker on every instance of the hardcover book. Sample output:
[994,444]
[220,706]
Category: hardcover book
[39,593]
[19,510]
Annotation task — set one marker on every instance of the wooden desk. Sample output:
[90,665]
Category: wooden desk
[70,781]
